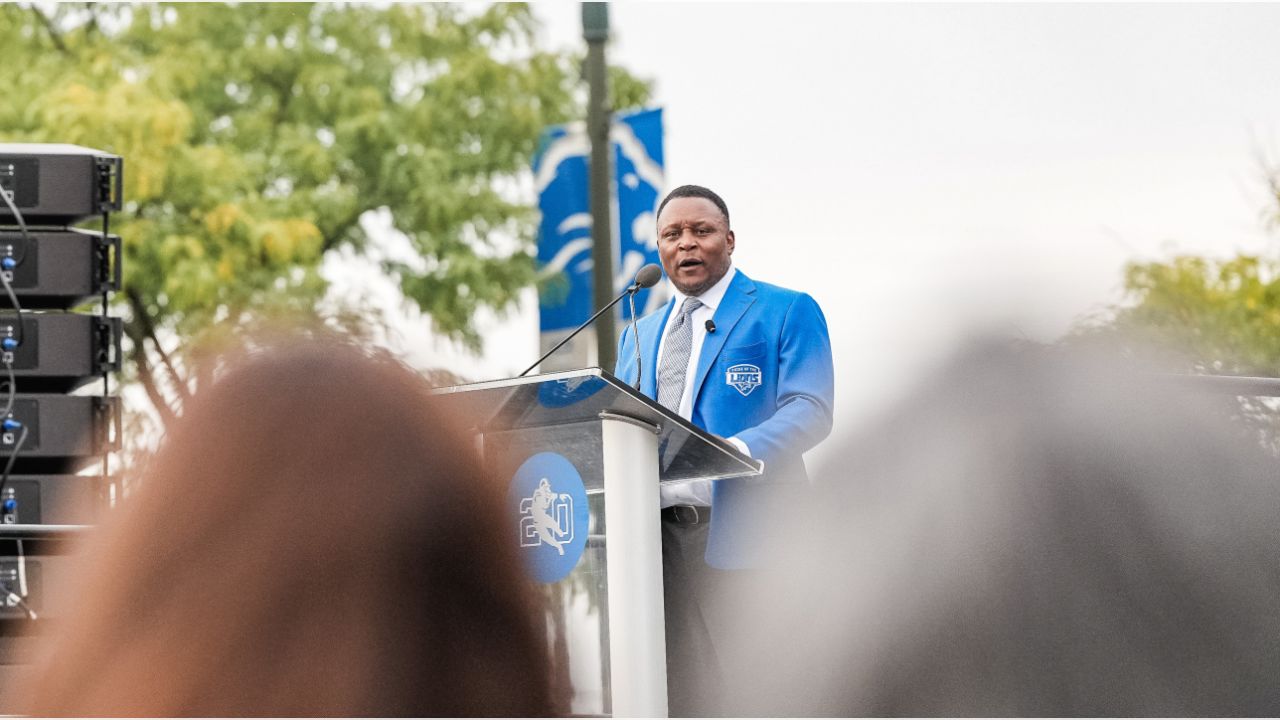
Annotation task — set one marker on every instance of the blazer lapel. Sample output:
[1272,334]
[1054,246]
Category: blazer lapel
[733,305]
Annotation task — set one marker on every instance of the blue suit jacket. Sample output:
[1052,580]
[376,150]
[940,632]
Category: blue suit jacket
[765,375]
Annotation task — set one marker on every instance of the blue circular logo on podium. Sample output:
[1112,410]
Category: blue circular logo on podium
[549,502]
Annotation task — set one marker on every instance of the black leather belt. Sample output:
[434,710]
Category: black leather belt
[686,514]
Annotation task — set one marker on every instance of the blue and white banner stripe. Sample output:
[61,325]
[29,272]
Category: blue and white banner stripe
[564,237]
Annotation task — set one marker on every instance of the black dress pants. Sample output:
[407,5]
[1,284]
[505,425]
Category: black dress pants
[692,593]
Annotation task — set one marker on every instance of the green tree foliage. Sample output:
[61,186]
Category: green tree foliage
[256,137]
[1221,315]
[1217,316]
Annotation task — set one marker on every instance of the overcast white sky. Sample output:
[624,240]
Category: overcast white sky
[925,169]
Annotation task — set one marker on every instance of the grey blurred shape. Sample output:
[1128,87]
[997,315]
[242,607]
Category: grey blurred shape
[1034,532]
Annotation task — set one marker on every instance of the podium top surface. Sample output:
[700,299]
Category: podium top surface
[685,452]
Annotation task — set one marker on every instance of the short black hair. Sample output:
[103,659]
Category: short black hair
[696,191]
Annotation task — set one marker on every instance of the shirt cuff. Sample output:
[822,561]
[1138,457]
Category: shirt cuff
[692,492]
[742,447]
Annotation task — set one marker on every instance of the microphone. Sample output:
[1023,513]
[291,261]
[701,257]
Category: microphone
[648,276]
[711,326]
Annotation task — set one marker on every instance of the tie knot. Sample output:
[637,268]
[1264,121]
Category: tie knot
[690,304]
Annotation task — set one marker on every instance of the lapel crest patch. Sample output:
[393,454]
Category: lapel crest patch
[744,378]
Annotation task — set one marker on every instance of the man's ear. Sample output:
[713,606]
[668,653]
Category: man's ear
[729,240]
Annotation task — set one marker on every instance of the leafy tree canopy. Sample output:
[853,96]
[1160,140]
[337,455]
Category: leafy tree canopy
[1222,315]
[1217,316]
[256,136]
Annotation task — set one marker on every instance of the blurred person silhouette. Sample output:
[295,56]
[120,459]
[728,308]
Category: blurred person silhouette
[1033,533]
[313,538]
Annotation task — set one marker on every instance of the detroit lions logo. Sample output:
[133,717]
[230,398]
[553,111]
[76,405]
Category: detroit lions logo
[546,517]
[744,378]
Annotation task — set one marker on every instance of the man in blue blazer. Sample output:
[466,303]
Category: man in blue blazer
[742,359]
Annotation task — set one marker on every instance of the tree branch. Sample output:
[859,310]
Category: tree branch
[139,356]
[339,232]
[148,330]
[54,35]
[91,27]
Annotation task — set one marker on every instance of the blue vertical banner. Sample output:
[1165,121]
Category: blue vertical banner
[564,235]
[639,182]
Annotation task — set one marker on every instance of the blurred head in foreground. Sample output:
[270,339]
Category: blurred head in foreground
[313,538]
[1032,535]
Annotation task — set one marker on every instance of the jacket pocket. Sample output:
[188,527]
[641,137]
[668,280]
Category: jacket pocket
[742,368]
[742,353]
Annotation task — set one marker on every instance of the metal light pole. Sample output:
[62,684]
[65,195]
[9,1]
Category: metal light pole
[595,30]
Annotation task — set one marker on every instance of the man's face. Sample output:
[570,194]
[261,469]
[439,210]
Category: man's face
[694,242]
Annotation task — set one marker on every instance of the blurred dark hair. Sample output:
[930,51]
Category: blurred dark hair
[1033,534]
[695,191]
[314,537]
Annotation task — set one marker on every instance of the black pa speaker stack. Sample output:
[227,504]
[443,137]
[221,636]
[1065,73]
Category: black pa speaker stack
[58,427]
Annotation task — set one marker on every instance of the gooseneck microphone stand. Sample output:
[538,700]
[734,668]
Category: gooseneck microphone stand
[647,277]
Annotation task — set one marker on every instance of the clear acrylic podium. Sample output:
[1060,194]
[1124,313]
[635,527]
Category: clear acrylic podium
[603,583]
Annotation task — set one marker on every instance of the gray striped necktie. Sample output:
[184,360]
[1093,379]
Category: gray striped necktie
[675,356]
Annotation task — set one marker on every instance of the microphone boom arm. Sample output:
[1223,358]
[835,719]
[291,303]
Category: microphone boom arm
[635,287]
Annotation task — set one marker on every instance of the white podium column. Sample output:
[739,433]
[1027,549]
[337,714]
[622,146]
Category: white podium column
[633,551]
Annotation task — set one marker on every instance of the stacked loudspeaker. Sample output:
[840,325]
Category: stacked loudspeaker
[57,428]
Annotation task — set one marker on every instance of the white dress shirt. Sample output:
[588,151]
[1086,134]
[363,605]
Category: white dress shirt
[695,492]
